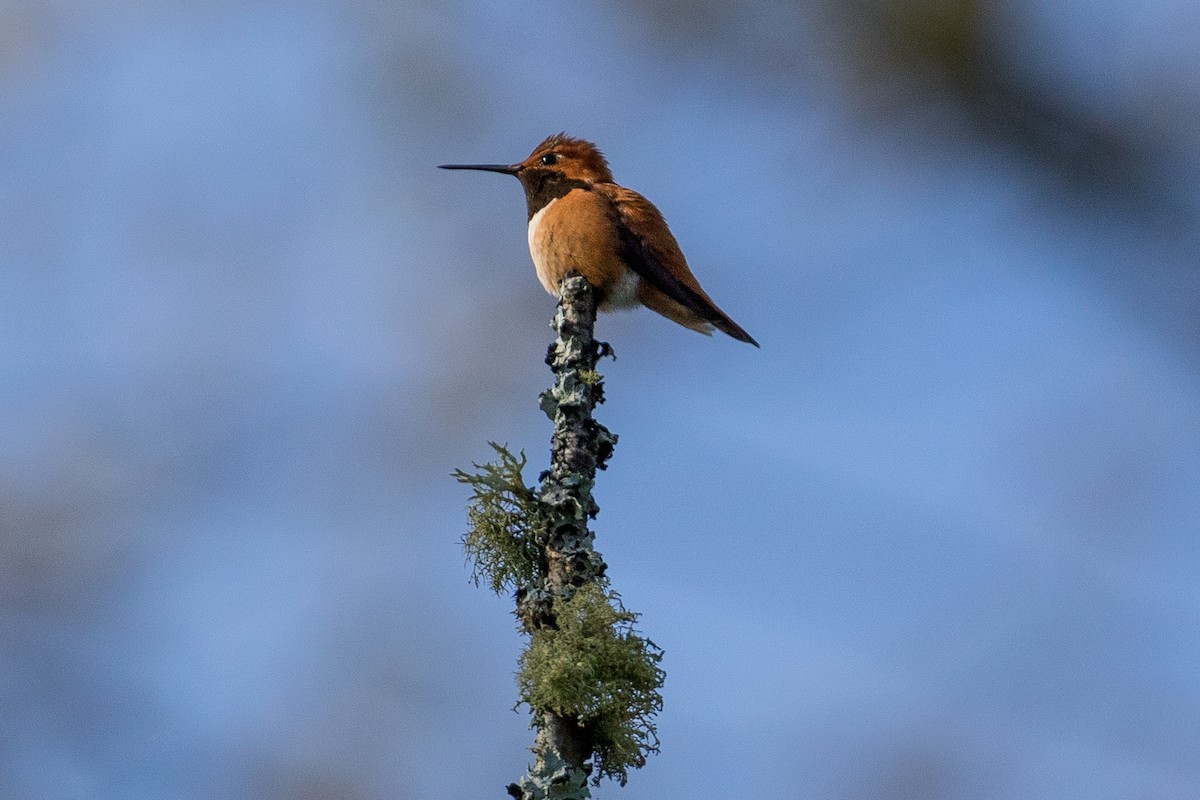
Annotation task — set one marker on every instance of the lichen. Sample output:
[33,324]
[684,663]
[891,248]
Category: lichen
[551,778]
[592,682]
[506,522]
[593,667]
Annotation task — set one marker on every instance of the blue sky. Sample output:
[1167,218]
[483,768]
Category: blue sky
[936,539]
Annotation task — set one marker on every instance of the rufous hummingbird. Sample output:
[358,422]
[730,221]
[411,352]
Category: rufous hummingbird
[580,219]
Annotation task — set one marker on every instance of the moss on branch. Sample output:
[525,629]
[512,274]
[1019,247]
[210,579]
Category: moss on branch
[592,682]
[595,669]
[507,524]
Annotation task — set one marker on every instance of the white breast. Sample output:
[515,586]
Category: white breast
[624,294]
[540,251]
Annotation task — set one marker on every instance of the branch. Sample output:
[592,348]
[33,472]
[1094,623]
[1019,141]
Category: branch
[578,448]
[590,679]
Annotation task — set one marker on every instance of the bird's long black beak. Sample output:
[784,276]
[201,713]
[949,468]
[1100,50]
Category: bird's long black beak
[512,169]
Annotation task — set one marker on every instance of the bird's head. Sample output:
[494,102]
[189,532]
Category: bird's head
[557,165]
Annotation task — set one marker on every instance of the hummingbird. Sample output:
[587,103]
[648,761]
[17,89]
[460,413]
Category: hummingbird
[581,219]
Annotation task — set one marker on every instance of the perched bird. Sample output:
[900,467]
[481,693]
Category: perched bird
[582,220]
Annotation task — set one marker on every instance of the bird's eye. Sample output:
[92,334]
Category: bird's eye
[549,159]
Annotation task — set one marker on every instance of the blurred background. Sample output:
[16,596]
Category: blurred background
[937,539]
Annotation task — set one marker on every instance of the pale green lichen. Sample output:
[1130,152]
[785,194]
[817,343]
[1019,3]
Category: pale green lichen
[592,682]
[594,668]
[506,521]
[551,778]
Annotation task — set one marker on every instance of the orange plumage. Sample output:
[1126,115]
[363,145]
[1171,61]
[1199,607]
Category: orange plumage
[580,219]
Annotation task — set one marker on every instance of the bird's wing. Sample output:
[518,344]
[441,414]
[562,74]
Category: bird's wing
[650,250]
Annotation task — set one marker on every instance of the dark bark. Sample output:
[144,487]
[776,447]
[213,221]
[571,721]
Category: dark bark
[579,447]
